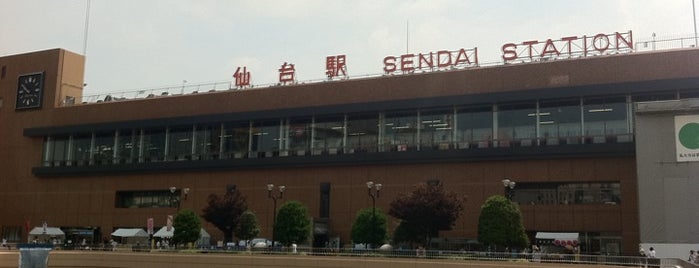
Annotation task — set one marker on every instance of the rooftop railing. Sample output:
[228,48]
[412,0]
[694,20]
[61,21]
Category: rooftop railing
[647,44]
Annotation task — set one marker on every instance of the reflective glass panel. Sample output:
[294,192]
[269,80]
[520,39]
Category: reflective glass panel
[265,137]
[180,143]
[127,145]
[81,148]
[474,127]
[299,134]
[560,121]
[104,147]
[59,150]
[362,132]
[436,129]
[605,118]
[236,139]
[400,131]
[207,141]
[516,121]
[329,133]
[154,145]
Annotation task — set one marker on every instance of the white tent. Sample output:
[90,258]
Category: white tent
[131,235]
[163,233]
[50,231]
[557,236]
[45,235]
[130,232]
[204,238]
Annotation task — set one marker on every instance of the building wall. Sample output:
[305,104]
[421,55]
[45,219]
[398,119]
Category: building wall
[667,211]
[90,200]
[22,192]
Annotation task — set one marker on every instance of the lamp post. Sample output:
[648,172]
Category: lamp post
[175,196]
[270,189]
[374,190]
[509,188]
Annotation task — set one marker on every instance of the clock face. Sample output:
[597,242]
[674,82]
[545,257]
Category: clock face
[30,90]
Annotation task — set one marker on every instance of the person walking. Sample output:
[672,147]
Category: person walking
[691,256]
[651,252]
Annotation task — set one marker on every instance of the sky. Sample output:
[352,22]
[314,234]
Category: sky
[144,44]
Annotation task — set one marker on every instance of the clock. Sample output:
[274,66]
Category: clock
[30,91]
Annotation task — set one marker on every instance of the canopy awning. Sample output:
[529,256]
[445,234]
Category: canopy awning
[204,234]
[130,232]
[52,231]
[163,233]
[557,236]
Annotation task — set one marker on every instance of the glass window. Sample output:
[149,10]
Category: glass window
[324,200]
[104,147]
[329,133]
[127,145]
[400,131]
[436,129]
[236,139]
[180,143]
[57,151]
[362,132]
[689,94]
[146,199]
[265,137]
[560,122]
[12,233]
[516,123]
[207,141]
[80,150]
[608,193]
[654,97]
[605,118]
[474,127]
[153,145]
[298,138]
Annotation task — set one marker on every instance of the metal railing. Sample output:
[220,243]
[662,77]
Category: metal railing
[466,256]
[461,255]
[647,44]
[663,43]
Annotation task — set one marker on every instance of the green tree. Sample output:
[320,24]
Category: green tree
[187,227]
[293,224]
[500,224]
[224,213]
[369,228]
[426,211]
[247,227]
[404,235]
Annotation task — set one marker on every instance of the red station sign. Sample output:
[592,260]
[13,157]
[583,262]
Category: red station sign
[442,59]
[568,47]
[526,51]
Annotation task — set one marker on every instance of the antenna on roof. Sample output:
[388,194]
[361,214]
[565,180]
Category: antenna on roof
[407,35]
[87,23]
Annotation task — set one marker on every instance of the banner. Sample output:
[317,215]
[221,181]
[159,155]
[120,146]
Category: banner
[169,223]
[149,225]
[687,137]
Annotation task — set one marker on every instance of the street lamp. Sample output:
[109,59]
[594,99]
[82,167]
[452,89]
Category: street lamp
[373,194]
[270,188]
[175,196]
[509,188]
